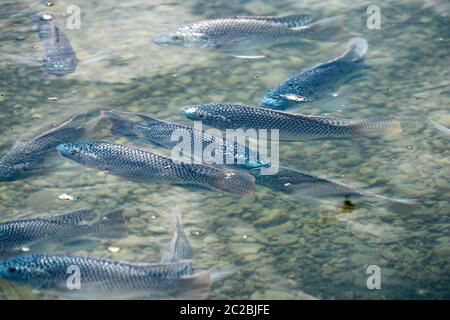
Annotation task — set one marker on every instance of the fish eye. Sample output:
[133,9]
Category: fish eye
[73,152]
[176,37]
[202,116]
[13,270]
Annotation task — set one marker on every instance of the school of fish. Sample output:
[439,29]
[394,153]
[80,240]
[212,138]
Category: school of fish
[25,243]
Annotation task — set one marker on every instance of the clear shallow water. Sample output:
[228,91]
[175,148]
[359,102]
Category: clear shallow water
[286,248]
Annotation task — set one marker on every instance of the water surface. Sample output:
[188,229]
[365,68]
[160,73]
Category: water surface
[287,248]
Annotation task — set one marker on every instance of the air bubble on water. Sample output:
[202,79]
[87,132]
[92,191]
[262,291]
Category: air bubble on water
[52,98]
[410,147]
[196,233]
[47,17]
[244,236]
[25,249]
[114,249]
[49,4]
[153,217]
[66,197]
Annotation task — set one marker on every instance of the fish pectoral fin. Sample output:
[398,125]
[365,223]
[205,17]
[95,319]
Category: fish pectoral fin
[201,35]
[294,97]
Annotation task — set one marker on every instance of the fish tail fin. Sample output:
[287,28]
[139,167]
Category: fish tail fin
[376,126]
[73,217]
[325,29]
[119,125]
[112,225]
[294,21]
[235,182]
[291,21]
[356,50]
[195,287]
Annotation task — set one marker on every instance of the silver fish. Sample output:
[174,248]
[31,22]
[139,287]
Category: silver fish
[302,185]
[37,233]
[320,81]
[161,132]
[59,57]
[249,33]
[106,279]
[32,157]
[291,126]
[143,166]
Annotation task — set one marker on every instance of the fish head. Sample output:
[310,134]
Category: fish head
[278,101]
[210,114]
[184,35]
[26,269]
[60,67]
[83,152]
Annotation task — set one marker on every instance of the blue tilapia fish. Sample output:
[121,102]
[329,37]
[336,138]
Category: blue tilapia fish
[172,278]
[320,81]
[161,132]
[246,33]
[33,156]
[138,165]
[105,278]
[291,126]
[59,58]
[303,185]
[37,233]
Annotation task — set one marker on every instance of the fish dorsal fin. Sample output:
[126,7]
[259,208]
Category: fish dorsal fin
[74,217]
[177,269]
[292,21]
[149,120]
[73,123]
[178,249]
